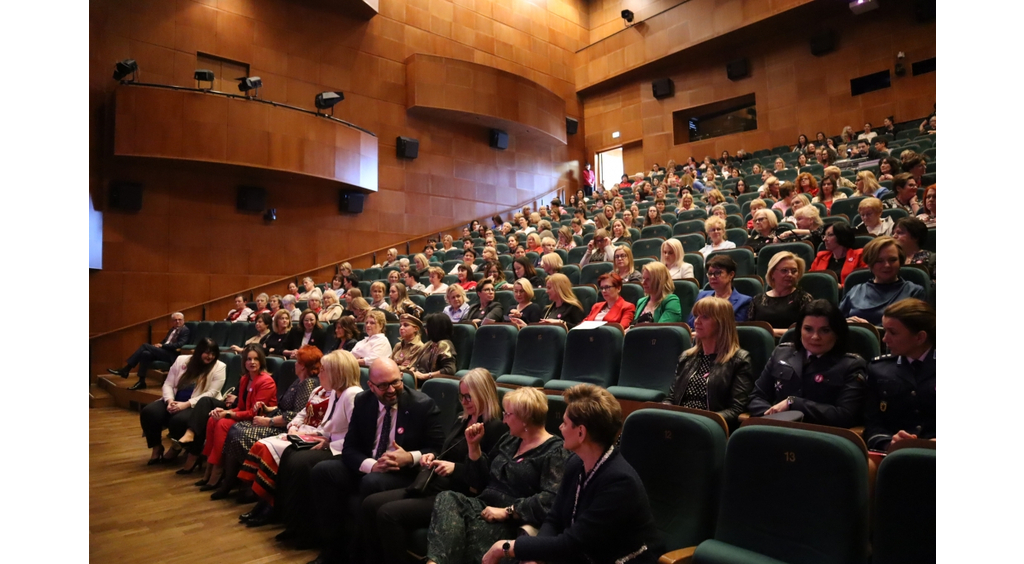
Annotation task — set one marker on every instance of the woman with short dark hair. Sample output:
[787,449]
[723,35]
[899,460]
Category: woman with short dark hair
[613,308]
[839,255]
[865,302]
[814,375]
[911,234]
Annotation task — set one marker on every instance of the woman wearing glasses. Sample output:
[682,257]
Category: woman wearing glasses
[614,308]
[715,227]
[390,516]
[721,271]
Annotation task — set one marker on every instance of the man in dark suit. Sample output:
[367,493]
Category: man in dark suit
[390,429]
[177,337]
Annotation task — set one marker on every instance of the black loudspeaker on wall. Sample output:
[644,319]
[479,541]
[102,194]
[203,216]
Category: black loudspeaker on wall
[499,139]
[350,202]
[251,199]
[125,196]
[737,69]
[407,147]
[823,43]
[663,88]
[571,126]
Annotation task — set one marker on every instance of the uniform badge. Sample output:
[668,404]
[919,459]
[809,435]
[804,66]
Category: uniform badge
[819,378]
[401,430]
[778,384]
[882,405]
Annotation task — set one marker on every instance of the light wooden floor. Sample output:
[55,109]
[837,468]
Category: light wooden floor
[140,513]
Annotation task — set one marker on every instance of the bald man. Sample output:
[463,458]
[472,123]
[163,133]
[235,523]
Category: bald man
[390,428]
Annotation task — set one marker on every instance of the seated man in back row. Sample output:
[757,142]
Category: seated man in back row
[177,337]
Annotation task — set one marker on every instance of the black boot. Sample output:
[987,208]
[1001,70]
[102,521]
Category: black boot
[264,514]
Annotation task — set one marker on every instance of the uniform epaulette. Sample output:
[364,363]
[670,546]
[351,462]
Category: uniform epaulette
[790,344]
[882,357]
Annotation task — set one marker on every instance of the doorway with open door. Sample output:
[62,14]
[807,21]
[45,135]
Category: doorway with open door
[609,168]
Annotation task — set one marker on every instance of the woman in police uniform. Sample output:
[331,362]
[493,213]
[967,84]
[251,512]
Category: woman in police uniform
[901,385]
[815,375]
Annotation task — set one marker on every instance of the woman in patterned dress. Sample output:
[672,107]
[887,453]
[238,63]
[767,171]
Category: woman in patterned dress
[324,419]
[244,434]
[716,374]
[517,480]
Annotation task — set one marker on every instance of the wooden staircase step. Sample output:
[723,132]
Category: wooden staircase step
[98,397]
[124,398]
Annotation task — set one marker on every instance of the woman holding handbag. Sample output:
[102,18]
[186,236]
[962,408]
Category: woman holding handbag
[323,422]
[394,514]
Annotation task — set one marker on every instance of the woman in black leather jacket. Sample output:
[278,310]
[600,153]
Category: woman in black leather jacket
[815,375]
[715,374]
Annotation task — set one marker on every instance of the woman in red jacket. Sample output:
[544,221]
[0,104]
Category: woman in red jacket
[256,390]
[614,308]
[839,255]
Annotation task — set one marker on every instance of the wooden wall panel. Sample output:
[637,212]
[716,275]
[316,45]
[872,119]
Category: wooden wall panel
[299,49]
[677,29]
[196,126]
[443,89]
[795,91]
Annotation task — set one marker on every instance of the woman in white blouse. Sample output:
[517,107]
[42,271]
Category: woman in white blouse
[436,284]
[457,306]
[375,345]
[190,378]
[715,228]
[672,258]
[324,421]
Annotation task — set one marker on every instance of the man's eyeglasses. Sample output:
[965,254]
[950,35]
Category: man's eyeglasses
[383,386]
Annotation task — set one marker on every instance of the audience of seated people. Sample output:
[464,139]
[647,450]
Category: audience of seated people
[350,496]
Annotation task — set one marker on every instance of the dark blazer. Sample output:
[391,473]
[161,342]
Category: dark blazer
[900,397]
[828,391]
[494,312]
[181,341]
[606,527]
[294,339]
[729,385]
[458,452]
[418,427]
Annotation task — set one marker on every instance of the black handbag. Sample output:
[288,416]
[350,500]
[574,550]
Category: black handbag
[300,443]
[421,486]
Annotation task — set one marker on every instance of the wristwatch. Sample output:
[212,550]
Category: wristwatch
[789,401]
[505,548]
[510,511]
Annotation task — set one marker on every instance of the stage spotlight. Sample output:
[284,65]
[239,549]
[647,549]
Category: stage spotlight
[247,83]
[204,75]
[327,100]
[628,16]
[270,215]
[124,68]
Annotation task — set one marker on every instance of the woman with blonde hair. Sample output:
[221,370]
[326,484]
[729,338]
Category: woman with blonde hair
[770,188]
[866,184]
[871,220]
[672,258]
[715,228]
[685,203]
[333,309]
[375,345]
[420,264]
[715,374]
[712,199]
[360,308]
[533,243]
[551,263]
[565,240]
[282,482]
[401,303]
[659,304]
[520,478]
[457,305]
[564,309]
[809,226]
[446,242]
[390,516]
[525,311]
[620,232]
[623,264]
[309,286]
[780,305]
[377,291]
[618,204]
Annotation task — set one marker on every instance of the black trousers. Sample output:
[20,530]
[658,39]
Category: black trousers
[146,354]
[388,518]
[154,417]
[340,494]
[197,422]
[293,499]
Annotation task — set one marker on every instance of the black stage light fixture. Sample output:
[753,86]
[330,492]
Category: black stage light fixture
[270,215]
[204,75]
[628,16]
[124,68]
[327,100]
[247,83]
